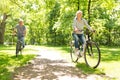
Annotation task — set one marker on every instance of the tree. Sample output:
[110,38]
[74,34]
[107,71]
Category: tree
[53,17]
[50,21]
[4,8]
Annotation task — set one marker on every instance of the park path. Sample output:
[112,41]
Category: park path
[50,65]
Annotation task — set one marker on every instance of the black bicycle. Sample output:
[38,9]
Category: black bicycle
[19,47]
[91,55]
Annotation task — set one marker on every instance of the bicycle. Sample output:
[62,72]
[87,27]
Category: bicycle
[19,47]
[92,55]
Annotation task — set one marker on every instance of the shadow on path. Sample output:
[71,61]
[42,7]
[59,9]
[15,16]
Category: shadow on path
[42,68]
[53,67]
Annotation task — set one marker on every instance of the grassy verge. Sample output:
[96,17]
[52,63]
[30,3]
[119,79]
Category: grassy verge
[8,61]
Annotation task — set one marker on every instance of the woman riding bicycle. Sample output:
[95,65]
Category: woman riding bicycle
[78,33]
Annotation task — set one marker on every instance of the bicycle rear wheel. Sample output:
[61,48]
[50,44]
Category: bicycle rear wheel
[92,55]
[74,57]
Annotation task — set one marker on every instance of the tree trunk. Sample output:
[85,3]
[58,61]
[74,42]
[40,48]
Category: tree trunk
[2,28]
[109,37]
[78,4]
[89,4]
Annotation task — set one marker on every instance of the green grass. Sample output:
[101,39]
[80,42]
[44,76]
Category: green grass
[88,70]
[110,54]
[8,61]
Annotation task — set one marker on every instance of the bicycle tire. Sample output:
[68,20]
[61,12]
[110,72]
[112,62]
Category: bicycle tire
[92,55]
[18,48]
[74,57]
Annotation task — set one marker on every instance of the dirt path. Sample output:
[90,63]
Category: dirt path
[50,65]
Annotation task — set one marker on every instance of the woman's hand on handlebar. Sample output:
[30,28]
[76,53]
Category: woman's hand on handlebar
[93,31]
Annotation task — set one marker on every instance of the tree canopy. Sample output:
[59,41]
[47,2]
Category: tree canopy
[50,21]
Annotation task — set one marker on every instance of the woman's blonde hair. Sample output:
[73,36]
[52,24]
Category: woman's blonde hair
[79,11]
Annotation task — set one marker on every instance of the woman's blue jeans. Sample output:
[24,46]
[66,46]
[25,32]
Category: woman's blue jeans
[79,38]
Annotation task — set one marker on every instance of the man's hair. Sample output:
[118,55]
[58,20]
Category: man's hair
[20,20]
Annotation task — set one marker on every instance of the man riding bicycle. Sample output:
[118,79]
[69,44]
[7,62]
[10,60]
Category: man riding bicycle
[78,33]
[20,31]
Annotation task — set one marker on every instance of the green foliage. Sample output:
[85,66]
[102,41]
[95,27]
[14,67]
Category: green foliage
[4,6]
[50,21]
[52,18]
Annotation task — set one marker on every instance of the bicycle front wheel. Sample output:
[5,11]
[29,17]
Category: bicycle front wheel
[18,47]
[74,57]
[92,55]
